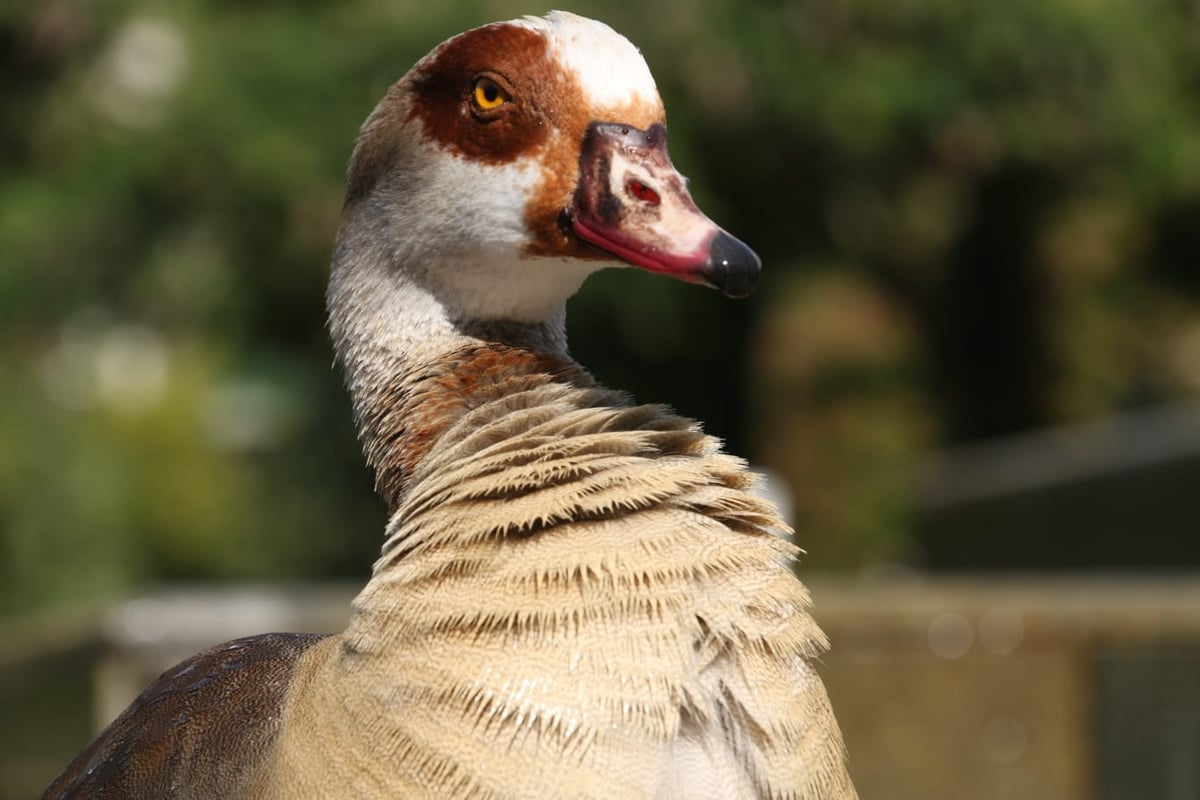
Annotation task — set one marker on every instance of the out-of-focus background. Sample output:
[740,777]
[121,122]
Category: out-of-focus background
[973,364]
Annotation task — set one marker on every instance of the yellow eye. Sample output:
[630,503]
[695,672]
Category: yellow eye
[489,94]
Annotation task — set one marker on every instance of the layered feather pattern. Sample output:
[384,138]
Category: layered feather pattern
[576,579]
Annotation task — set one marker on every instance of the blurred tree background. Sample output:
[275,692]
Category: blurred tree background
[977,219]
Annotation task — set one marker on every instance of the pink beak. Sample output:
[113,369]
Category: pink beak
[632,203]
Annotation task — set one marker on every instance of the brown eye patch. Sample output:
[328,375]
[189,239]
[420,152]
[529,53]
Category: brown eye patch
[466,100]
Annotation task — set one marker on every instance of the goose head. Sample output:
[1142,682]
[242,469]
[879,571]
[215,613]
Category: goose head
[511,162]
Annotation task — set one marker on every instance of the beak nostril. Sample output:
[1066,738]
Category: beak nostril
[642,192]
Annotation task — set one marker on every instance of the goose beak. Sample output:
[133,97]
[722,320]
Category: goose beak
[632,203]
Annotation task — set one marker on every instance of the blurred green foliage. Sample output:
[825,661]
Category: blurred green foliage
[977,218]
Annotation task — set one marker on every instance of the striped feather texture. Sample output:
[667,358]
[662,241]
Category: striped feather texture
[578,598]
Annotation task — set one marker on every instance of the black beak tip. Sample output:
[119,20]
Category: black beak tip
[733,268]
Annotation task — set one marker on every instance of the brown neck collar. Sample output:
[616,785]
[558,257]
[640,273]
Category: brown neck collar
[401,420]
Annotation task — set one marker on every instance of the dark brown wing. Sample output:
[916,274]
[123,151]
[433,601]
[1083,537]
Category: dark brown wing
[199,728]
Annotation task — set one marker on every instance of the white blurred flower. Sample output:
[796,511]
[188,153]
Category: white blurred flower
[120,365]
[131,368]
[142,67]
[248,414]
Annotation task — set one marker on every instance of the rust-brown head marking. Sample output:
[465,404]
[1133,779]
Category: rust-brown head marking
[480,156]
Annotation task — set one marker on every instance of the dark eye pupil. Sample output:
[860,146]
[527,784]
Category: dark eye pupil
[490,92]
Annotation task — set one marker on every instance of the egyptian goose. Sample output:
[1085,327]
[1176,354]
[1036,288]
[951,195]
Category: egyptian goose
[577,596]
